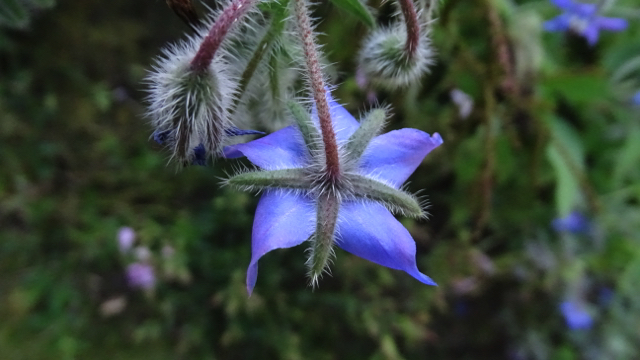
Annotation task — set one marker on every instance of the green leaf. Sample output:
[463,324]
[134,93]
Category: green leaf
[13,14]
[628,158]
[566,155]
[579,88]
[356,8]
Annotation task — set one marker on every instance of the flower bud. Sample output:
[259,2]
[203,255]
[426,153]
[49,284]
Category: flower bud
[385,61]
[188,107]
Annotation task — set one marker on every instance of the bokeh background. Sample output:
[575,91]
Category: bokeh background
[533,237]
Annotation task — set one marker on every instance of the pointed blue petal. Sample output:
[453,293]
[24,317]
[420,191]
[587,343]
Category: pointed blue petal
[343,123]
[368,230]
[283,149]
[394,156]
[234,131]
[558,23]
[591,34]
[584,10]
[283,219]
[611,24]
[563,4]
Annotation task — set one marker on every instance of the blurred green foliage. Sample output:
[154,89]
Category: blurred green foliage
[552,131]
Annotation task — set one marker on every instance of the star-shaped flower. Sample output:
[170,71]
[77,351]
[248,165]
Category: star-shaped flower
[352,211]
[583,19]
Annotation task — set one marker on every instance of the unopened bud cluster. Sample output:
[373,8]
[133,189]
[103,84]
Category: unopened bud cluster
[189,108]
[385,61]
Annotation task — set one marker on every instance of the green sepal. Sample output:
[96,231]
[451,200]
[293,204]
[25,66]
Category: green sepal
[370,126]
[397,201]
[257,180]
[305,124]
[322,240]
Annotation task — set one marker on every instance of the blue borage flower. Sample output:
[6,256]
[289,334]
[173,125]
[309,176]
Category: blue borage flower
[574,223]
[576,315]
[583,19]
[297,204]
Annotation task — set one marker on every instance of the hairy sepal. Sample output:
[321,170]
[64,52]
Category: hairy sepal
[369,128]
[309,132]
[321,251]
[397,201]
[259,180]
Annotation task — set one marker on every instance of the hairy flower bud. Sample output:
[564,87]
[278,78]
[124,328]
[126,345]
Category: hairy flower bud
[189,107]
[385,61]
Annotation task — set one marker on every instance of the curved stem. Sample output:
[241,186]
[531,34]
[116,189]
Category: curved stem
[234,10]
[318,89]
[413,27]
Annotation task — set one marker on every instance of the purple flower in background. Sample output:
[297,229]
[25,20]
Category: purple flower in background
[635,99]
[576,315]
[574,223]
[352,209]
[583,19]
[126,238]
[140,275]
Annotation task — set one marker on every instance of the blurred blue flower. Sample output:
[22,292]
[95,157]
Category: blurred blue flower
[576,315]
[635,99]
[288,217]
[140,275]
[583,19]
[574,223]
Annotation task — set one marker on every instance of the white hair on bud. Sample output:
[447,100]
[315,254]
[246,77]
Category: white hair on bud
[384,61]
[192,107]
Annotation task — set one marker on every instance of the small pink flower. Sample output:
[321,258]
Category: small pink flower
[126,238]
[140,275]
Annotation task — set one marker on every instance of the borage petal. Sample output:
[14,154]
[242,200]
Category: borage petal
[558,23]
[591,33]
[283,149]
[394,156]
[283,219]
[344,124]
[368,230]
[611,24]
[564,4]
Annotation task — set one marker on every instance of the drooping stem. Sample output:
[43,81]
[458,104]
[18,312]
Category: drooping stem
[318,89]
[211,43]
[413,27]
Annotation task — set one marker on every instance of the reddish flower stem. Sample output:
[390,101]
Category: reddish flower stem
[413,27]
[318,88]
[234,10]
